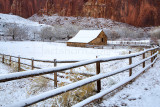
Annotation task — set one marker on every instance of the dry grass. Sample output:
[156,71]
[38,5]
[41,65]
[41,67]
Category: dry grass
[67,99]
[39,84]
[91,68]
[14,67]
[72,97]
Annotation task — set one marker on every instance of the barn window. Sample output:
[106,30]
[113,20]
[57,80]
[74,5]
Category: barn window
[102,40]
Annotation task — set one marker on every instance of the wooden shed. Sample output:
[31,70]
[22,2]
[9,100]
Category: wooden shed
[88,37]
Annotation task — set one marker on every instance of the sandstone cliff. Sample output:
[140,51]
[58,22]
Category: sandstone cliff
[24,8]
[134,12]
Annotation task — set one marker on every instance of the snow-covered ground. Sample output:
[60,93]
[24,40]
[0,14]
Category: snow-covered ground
[18,90]
[11,91]
[143,92]
[59,51]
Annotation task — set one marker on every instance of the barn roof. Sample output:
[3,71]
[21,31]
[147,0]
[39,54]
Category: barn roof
[85,36]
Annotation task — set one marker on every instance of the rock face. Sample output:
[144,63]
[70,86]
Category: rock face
[139,13]
[24,8]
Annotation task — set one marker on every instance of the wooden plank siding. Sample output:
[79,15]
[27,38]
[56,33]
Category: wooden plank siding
[100,40]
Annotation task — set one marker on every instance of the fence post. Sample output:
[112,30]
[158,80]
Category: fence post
[97,72]
[10,60]
[32,61]
[19,64]
[156,51]
[152,57]
[3,58]
[130,62]
[144,61]
[55,74]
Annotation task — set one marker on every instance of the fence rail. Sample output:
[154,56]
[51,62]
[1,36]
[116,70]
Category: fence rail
[98,77]
[55,62]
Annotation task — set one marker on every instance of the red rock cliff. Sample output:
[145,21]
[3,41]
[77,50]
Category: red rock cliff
[24,8]
[135,12]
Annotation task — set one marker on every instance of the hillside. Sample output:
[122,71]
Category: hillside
[17,28]
[140,13]
[69,26]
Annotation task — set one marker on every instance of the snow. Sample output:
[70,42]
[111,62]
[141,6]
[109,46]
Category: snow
[29,30]
[51,51]
[85,36]
[103,93]
[12,91]
[136,43]
[6,18]
[61,68]
[59,51]
[66,88]
[110,27]
[143,92]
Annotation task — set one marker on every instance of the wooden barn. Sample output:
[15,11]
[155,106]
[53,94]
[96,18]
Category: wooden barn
[88,37]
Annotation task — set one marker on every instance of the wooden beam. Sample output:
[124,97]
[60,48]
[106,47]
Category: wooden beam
[55,74]
[97,72]
[144,61]
[3,58]
[32,64]
[10,59]
[19,64]
[130,62]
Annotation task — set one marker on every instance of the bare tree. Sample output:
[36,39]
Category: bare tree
[47,33]
[17,32]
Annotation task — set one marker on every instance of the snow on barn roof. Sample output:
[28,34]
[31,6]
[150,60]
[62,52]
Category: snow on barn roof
[85,36]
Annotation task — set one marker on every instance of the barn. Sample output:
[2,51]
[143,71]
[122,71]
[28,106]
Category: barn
[88,37]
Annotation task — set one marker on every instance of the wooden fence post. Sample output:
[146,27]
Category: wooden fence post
[144,61]
[153,53]
[19,64]
[156,51]
[10,60]
[3,58]
[130,62]
[152,57]
[97,72]
[32,61]
[55,74]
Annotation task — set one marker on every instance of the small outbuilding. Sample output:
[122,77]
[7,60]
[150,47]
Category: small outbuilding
[88,37]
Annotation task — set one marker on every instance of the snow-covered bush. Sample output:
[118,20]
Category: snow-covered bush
[155,36]
[155,32]
[18,32]
[47,33]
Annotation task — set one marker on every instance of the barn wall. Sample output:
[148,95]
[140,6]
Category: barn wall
[98,40]
[76,44]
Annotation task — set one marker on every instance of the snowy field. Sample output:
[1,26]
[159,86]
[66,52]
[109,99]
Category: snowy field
[143,92]
[59,51]
[26,88]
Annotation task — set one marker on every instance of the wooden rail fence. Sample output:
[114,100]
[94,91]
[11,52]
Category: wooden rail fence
[55,62]
[98,77]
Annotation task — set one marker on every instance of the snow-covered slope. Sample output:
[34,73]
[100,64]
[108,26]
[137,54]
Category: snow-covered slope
[23,29]
[6,18]
[112,28]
